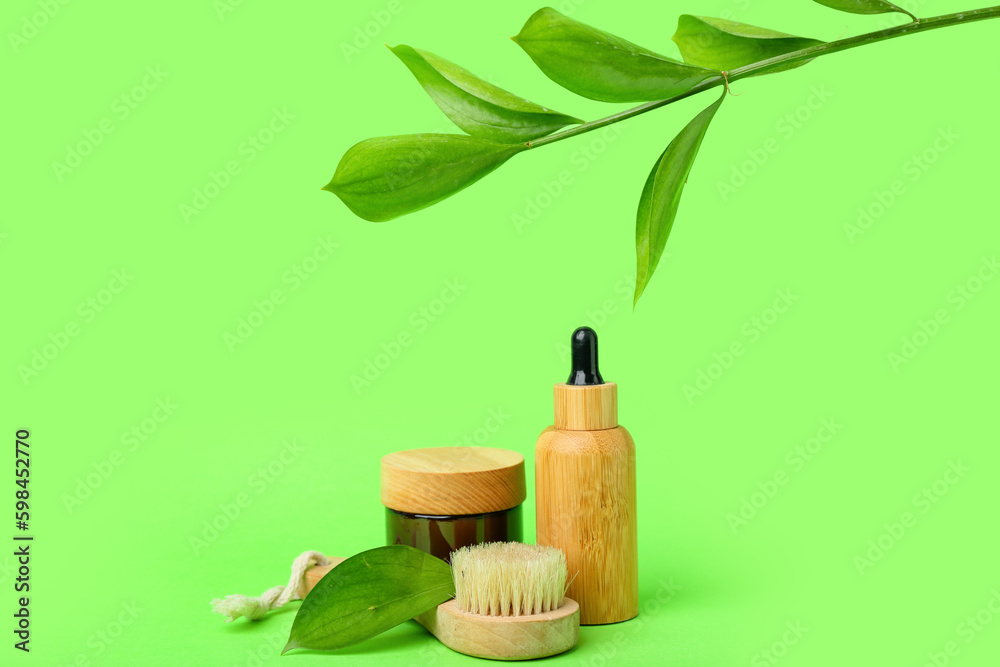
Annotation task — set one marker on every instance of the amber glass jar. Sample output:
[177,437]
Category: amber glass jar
[442,498]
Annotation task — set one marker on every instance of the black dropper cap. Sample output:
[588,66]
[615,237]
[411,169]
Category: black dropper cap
[583,343]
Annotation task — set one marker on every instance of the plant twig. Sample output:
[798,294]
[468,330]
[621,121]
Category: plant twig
[917,25]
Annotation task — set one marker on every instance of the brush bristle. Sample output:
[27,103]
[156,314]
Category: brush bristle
[509,578]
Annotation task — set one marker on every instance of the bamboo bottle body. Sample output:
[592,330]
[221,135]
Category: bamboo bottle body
[586,505]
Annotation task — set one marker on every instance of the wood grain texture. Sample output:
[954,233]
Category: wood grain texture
[585,505]
[315,573]
[453,480]
[504,637]
[497,637]
[586,407]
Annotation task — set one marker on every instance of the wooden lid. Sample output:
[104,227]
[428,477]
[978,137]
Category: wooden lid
[591,407]
[453,480]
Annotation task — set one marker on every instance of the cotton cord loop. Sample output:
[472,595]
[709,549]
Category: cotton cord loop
[235,606]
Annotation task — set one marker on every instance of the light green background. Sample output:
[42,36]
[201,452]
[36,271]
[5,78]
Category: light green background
[116,576]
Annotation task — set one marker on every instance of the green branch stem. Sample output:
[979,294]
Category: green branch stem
[917,25]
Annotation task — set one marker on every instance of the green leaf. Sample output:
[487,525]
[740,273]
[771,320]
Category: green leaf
[477,106]
[386,177]
[601,66]
[662,194]
[864,6]
[725,45]
[367,594]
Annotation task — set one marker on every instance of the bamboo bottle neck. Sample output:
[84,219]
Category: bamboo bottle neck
[586,407]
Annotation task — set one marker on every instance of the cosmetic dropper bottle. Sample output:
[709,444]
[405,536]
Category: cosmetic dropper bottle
[585,490]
